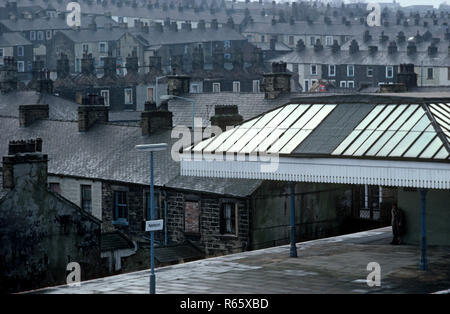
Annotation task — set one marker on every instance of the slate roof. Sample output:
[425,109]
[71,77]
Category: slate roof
[106,152]
[155,38]
[249,104]
[302,28]
[13,39]
[54,23]
[278,46]
[59,108]
[88,35]
[326,56]
[116,240]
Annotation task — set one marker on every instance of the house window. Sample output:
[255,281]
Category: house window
[105,94]
[40,35]
[228,218]
[291,40]
[120,207]
[351,84]
[329,40]
[86,198]
[389,72]
[55,187]
[331,70]
[369,72]
[48,35]
[350,70]
[216,87]
[236,87]
[20,51]
[313,69]
[85,48]
[191,217]
[429,73]
[149,93]
[102,47]
[128,96]
[343,84]
[256,86]
[32,35]
[20,66]
[195,89]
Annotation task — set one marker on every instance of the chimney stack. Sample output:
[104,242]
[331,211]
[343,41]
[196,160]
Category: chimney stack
[92,110]
[383,38]
[214,24]
[155,64]
[411,48]
[318,46]
[30,113]
[158,27]
[300,45]
[201,25]
[277,82]
[155,120]
[401,38]
[273,42]
[87,64]
[373,49]
[45,84]
[407,76]
[354,47]
[25,163]
[432,50]
[62,66]
[226,116]
[8,75]
[109,66]
[392,48]
[335,48]
[132,63]
[367,37]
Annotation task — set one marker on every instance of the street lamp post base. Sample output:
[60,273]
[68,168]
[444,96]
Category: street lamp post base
[152,284]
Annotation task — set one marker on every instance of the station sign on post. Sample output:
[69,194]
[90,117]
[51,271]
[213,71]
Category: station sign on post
[154,225]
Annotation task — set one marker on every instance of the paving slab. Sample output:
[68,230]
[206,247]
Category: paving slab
[331,265]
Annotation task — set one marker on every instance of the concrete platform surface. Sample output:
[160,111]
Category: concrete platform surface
[331,265]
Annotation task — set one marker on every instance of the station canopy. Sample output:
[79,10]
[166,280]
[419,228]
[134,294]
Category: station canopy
[396,143]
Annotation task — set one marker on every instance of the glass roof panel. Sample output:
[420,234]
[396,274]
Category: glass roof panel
[442,153]
[440,111]
[442,123]
[322,114]
[234,137]
[294,116]
[368,143]
[370,117]
[404,117]
[405,143]
[278,145]
[434,146]
[444,107]
[344,144]
[296,140]
[380,118]
[392,117]
[266,118]
[254,142]
[281,116]
[274,136]
[199,147]
[422,124]
[300,123]
[412,120]
[357,143]
[421,143]
[392,143]
[380,143]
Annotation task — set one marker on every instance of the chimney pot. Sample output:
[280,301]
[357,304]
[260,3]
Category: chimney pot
[226,116]
[155,120]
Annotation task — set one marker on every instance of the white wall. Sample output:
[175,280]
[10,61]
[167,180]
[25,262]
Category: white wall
[71,189]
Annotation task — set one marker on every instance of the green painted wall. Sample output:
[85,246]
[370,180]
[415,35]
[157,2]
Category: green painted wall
[320,210]
[437,218]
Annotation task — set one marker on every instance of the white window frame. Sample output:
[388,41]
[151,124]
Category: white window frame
[311,69]
[32,35]
[352,67]
[236,87]
[19,65]
[367,71]
[328,40]
[312,40]
[216,87]
[40,35]
[351,83]
[256,86]
[105,92]
[331,66]
[195,88]
[125,91]
[306,88]
[389,68]
[343,84]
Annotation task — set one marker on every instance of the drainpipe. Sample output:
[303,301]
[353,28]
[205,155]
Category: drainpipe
[423,236]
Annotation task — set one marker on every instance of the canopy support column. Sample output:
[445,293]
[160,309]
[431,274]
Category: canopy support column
[293,252]
[423,237]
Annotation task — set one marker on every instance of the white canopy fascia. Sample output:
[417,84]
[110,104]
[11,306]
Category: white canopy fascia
[396,173]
